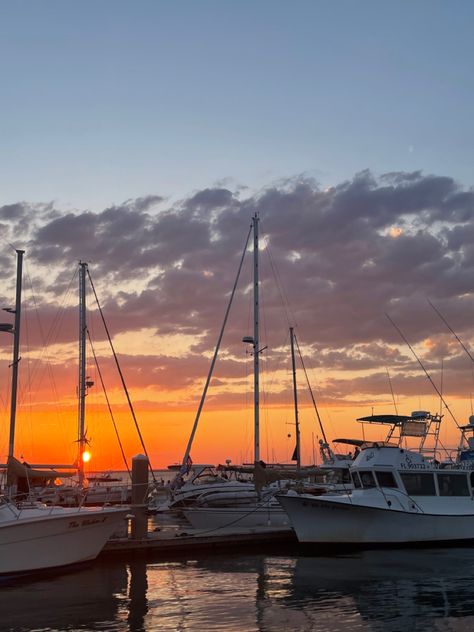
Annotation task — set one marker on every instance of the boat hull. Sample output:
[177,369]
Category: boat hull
[237,517]
[322,521]
[34,542]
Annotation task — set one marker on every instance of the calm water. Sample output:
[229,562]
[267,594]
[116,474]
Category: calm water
[373,590]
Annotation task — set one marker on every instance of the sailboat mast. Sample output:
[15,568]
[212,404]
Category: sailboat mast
[82,369]
[295,399]
[16,352]
[256,342]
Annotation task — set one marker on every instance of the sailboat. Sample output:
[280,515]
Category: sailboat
[85,490]
[245,506]
[34,536]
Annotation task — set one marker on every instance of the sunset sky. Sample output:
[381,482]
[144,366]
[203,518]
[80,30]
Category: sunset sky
[141,137]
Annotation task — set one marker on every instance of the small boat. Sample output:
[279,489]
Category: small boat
[200,480]
[399,497]
[36,537]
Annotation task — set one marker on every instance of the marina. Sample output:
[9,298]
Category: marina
[236,316]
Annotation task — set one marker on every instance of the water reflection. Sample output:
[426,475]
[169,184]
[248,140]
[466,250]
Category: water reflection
[89,598]
[376,591]
[138,600]
[388,590]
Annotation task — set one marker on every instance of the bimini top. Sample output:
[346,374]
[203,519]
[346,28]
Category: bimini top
[393,420]
[356,442]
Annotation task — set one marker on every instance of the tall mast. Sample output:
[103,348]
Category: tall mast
[16,352]
[295,399]
[256,351]
[82,369]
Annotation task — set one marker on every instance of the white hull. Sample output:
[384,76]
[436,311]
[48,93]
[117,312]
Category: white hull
[329,521]
[237,517]
[42,538]
[189,493]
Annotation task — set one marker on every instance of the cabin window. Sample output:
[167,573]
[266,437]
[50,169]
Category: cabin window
[346,477]
[356,480]
[385,479]
[419,484]
[367,479]
[453,485]
[472,479]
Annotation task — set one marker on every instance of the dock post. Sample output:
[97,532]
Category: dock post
[139,528]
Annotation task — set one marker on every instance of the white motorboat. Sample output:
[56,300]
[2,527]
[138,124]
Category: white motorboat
[36,537]
[199,481]
[399,496]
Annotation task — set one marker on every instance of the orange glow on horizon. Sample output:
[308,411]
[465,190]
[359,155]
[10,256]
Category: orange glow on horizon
[221,435]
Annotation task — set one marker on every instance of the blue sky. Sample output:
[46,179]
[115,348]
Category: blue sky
[106,101]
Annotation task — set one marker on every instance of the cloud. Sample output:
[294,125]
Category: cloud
[335,262]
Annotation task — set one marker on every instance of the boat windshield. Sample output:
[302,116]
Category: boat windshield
[338,475]
[367,479]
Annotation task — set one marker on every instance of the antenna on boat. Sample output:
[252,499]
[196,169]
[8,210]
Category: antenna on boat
[424,370]
[295,399]
[451,330]
[441,387]
[391,390]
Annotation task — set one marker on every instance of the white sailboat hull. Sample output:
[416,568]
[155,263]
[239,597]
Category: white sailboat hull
[42,538]
[237,517]
[329,521]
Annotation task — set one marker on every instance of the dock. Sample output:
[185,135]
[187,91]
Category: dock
[167,534]
[179,542]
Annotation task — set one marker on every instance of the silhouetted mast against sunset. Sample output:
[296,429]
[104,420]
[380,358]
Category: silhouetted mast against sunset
[16,352]
[81,439]
[256,342]
[295,400]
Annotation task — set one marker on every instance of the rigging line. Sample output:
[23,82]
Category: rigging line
[46,340]
[264,366]
[391,390]
[424,370]
[441,387]
[443,447]
[284,300]
[311,391]
[108,402]
[119,369]
[216,351]
[27,395]
[451,330]
[9,244]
